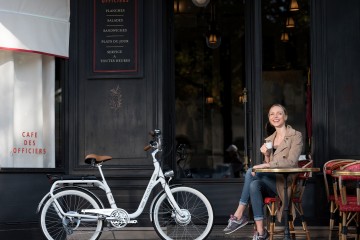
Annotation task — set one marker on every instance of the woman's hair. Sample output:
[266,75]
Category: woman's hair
[278,105]
[269,129]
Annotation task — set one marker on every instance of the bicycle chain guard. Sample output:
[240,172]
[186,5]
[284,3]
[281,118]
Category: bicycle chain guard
[122,218]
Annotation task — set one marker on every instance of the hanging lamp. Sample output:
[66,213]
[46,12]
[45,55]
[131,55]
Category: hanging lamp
[213,37]
[284,37]
[294,6]
[201,3]
[290,23]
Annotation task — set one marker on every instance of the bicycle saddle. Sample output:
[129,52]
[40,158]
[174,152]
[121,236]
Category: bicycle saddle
[97,158]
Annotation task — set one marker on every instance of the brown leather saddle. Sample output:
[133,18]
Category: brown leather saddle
[97,158]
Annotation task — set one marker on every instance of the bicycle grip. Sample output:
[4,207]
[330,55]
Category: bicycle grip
[147,147]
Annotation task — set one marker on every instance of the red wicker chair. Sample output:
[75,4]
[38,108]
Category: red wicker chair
[298,188]
[332,192]
[349,206]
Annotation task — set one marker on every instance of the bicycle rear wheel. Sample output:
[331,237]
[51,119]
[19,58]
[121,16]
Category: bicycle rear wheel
[197,220]
[56,227]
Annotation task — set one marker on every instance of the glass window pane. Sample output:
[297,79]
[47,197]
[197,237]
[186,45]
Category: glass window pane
[286,54]
[210,78]
[33,123]
[59,117]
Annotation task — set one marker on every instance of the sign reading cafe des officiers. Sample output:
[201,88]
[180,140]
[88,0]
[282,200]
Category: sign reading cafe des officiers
[115,36]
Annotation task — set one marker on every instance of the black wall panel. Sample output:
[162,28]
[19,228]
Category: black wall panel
[335,79]
[111,111]
[343,61]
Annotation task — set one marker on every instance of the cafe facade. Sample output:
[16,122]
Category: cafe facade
[204,72]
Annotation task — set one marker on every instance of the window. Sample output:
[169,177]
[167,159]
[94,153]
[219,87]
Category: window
[59,115]
[286,54]
[30,80]
[209,83]
[32,112]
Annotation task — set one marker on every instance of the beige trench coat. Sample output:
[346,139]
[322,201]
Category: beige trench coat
[286,155]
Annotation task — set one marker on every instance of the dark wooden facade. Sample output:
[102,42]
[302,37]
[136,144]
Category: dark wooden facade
[147,102]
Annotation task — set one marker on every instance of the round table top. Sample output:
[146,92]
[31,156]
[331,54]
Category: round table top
[286,170]
[346,173]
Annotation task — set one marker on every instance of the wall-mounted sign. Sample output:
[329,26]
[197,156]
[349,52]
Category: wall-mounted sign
[116,36]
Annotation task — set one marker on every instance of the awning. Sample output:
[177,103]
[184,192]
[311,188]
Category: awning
[40,26]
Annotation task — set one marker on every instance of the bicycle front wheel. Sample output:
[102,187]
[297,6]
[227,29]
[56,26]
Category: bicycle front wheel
[56,227]
[194,222]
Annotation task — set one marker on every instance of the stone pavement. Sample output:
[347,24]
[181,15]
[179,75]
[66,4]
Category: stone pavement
[148,233]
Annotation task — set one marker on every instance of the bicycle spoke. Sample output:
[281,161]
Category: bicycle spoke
[59,228]
[198,215]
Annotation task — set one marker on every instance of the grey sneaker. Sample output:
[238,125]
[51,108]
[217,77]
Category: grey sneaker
[234,224]
[265,236]
[255,235]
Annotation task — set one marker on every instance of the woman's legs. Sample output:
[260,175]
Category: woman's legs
[238,220]
[240,210]
[265,185]
[259,226]
[255,187]
[245,194]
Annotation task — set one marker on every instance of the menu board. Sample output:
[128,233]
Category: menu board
[115,36]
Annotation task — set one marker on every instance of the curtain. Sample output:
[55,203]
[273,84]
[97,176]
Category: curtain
[27,115]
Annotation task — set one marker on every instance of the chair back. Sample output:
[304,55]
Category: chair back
[335,164]
[298,186]
[309,163]
[328,168]
[352,167]
[355,179]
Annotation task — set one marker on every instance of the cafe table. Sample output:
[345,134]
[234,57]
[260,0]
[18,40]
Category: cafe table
[339,173]
[285,172]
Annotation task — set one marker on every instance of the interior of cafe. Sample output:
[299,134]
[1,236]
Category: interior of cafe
[210,80]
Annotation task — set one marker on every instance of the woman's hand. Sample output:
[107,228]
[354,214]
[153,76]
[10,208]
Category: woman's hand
[264,150]
[263,165]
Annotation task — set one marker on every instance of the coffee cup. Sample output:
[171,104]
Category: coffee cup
[268,145]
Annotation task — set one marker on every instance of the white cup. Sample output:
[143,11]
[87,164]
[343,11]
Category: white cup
[268,145]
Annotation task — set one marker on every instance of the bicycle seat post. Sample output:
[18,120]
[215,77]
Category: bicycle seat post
[99,165]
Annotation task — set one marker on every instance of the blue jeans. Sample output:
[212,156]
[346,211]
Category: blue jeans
[256,188]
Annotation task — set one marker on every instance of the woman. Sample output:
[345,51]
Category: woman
[286,148]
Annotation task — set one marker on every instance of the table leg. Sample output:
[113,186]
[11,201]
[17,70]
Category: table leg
[286,209]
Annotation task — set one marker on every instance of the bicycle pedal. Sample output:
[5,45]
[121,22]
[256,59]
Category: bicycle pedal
[133,221]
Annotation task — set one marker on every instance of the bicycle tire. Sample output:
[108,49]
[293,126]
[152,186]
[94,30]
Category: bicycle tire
[194,204]
[56,228]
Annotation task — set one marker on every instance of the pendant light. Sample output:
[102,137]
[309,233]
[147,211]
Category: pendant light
[294,6]
[213,37]
[201,3]
[290,23]
[284,37]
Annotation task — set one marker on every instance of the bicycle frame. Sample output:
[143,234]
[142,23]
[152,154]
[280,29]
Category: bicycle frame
[156,178]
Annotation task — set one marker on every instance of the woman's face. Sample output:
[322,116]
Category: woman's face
[277,116]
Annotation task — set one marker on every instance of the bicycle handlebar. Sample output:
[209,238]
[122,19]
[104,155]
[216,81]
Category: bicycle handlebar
[147,147]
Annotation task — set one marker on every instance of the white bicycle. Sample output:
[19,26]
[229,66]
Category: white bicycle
[72,211]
